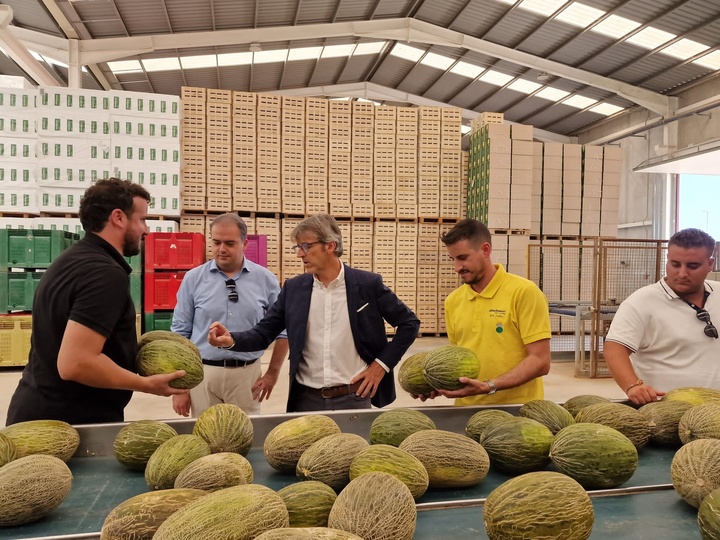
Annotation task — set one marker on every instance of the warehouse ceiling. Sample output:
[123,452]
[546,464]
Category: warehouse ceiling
[562,66]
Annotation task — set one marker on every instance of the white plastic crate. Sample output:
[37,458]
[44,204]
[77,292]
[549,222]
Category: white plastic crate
[72,225]
[167,175]
[146,127]
[165,200]
[58,122]
[21,201]
[71,173]
[21,123]
[18,174]
[18,99]
[18,149]
[16,223]
[73,98]
[144,104]
[59,199]
[96,151]
[140,151]
[162,225]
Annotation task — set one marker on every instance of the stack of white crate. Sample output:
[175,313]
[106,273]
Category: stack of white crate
[18,140]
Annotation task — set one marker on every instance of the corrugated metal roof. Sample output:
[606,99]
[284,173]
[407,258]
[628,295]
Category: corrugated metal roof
[511,26]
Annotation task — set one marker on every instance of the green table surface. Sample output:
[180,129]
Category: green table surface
[101,483]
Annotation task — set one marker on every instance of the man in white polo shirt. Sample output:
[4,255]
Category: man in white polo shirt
[662,336]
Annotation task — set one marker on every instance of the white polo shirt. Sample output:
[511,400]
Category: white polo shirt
[670,349]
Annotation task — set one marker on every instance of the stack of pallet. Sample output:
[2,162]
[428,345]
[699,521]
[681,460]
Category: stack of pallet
[362,166]
[292,156]
[316,155]
[340,155]
[244,150]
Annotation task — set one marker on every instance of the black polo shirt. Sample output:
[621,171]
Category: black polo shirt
[89,284]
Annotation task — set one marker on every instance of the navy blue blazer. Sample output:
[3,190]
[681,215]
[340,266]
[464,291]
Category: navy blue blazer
[291,309]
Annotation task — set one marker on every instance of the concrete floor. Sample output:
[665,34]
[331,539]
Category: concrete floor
[560,385]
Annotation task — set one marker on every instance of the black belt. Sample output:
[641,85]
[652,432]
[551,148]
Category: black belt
[328,392]
[229,362]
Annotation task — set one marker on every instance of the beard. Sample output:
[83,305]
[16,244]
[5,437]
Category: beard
[131,245]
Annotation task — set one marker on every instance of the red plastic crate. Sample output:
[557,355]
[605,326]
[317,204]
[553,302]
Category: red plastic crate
[256,250]
[174,251]
[161,290]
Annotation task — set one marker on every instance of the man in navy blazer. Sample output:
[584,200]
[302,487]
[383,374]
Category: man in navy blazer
[340,357]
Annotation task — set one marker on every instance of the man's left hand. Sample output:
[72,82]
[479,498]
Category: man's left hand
[473,387]
[370,378]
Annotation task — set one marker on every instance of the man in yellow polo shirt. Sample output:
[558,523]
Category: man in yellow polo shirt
[504,318]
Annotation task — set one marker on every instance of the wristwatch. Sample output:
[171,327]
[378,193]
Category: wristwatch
[492,386]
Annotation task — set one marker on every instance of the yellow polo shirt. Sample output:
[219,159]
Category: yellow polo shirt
[497,324]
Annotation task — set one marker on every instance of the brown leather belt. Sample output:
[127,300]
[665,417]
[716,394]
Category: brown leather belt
[329,392]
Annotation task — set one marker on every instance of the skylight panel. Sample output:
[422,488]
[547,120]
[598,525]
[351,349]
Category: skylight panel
[372,47]
[579,15]
[524,86]
[495,77]
[161,64]
[235,59]
[579,102]
[467,70]
[268,57]
[304,53]
[407,52]
[465,129]
[606,109]
[125,66]
[650,38]
[553,94]
[204,61]
[543,7]
[684,49]
[711,60]
[437,61]
[615,26]
[338,51]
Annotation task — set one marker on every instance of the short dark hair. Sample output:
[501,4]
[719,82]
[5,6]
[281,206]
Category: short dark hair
[103,197]
[467,229]
[693,238]
[231,218]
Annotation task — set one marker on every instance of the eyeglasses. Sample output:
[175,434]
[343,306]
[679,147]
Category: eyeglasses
[304,247]
[710,330]
[232,291]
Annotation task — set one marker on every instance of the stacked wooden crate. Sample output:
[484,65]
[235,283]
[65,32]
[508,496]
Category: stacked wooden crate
[244,151]
[360,253]
[362,167]
[292,158]
[316,156]
[269,152]
[384,162]
[406,160]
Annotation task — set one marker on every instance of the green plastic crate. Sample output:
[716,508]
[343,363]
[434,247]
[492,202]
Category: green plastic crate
[17,290]
[33,248]
[158,320]
[136,290]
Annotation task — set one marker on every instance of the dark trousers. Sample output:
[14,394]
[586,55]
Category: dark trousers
[307,402]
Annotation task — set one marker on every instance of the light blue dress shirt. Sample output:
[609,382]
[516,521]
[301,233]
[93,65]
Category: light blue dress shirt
[203,299]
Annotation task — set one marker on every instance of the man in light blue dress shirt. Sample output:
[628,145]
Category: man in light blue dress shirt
[232,289]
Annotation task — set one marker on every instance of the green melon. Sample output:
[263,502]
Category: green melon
[692,394]
[695,470]
[216,471]
[308,533]
[171,457]
[31,487]
[287,441]
[709,516]
[235,513]
[625,419]
[226,428]
[136,442]
[155,335]
[7,450]
[443,367]
[139,517]
[165,356]
[594,455]
[700,422]
[328,460]
[308,503]
[50,437]
[548,413]
[482,419]
[517,445]
[411,378]
[664,417]
[375,506]
[536,505]
[392,426]
[451,460]
[574,404]
[389,459]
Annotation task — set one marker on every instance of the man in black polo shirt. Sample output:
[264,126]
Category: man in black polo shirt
[82,358]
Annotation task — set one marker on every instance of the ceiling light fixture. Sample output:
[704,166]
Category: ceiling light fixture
[255,47]
[542,76]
